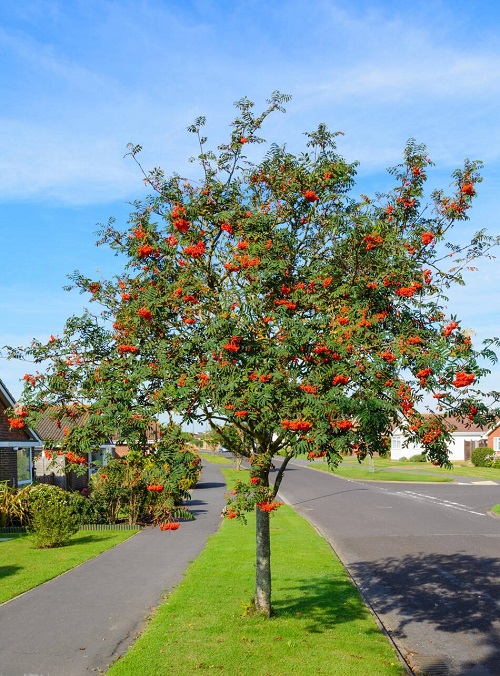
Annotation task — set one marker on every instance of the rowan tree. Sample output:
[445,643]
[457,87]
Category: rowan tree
[268,296]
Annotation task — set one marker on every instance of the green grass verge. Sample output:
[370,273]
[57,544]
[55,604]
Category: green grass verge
[23,567]
[459,469]
[363,473]
[496,509]
[216,459]
[320,625]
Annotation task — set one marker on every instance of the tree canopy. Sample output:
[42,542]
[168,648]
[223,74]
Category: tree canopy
[268,296]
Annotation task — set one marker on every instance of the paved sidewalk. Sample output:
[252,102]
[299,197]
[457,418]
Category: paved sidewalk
[81,621]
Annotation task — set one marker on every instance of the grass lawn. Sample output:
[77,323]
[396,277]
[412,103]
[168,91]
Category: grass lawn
[320,625]
[496,509]
[216,459]
[23,567]
[352,471]
[459,469]
[408,471]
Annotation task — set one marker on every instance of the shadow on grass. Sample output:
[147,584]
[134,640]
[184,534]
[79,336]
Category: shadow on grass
[86,539]
[323,603]
[5,571]
[455,594]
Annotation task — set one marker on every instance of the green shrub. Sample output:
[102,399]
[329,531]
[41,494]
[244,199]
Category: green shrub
[55,527]
[37,493]
[90,507]
[479,456]
[403,459]
[418,458]
[52,517]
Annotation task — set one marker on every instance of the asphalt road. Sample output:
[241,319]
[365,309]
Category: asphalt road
[425,556]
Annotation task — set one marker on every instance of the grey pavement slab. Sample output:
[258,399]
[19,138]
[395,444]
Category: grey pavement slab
[83,620]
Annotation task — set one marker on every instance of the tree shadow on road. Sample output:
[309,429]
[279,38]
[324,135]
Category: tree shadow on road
[210,484]
[455,594]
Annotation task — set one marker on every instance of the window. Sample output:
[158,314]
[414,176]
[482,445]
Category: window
[496,443]
[24,466]
[396,442]
[100,458]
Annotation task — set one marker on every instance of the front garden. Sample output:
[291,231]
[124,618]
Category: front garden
[45,530]
[23,566]
[140,488]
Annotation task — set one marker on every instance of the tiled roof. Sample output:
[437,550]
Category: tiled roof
[47,428]
[460,426]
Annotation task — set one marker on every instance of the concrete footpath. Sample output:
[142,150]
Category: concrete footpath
[81,621]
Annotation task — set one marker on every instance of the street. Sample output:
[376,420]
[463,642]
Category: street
[426,557]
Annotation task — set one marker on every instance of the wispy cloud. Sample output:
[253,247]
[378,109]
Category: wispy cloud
[142,73]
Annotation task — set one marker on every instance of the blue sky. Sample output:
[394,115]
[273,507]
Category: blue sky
[81,79]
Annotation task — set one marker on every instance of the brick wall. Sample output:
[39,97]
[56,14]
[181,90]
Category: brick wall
[6,434]
[8,466]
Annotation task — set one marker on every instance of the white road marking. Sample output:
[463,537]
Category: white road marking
[439,501]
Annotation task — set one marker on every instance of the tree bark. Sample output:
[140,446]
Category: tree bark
[263,563]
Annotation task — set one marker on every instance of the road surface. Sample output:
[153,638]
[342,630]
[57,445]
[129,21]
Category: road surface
[425,556]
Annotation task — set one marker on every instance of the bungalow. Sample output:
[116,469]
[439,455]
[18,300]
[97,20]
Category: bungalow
[465,438]
[50,468]
[17,446]
[121,447]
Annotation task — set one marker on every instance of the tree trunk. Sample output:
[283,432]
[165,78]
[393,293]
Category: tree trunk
[263,563]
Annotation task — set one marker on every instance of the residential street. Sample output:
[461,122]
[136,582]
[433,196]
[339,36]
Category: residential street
[426,556]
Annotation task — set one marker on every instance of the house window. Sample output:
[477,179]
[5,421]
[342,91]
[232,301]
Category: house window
[101,457]
[496,443]
[24,466]
[396,443]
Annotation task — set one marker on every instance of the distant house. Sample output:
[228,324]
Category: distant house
[465,438]
[493,438]
[50,467]
[17,446]
[121,448]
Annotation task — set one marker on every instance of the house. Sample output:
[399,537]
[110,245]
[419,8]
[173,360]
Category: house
[465,438]
[17,445]
[493,439]
[50,467]
[121,448]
